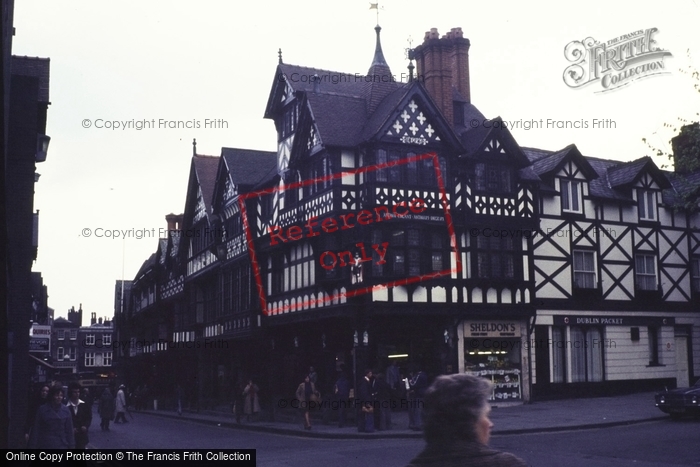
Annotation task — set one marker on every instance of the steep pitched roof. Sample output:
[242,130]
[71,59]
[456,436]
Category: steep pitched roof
[339,118]
[248,166]
[553,162]
[629,172]
[205,168]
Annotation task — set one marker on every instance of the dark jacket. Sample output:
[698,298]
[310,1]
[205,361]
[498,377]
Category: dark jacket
[106,405]
[342,388]
[464,454]
[53,428]
[82,417]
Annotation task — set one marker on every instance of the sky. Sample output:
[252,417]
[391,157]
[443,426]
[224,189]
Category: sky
[215,60]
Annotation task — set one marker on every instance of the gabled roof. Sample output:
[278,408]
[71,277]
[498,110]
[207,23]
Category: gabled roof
[553,162]
[339,119]
[629,172]
[247,167]
[393,104]
[205,168]
[478,138]
[614,178]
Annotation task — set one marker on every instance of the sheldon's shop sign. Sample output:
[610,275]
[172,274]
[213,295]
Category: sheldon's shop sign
[492,329]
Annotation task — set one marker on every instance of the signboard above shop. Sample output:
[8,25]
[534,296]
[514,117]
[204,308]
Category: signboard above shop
[491,329]
[605,320]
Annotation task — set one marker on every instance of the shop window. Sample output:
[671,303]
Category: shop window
[499,361]
[586,347]
[558,355]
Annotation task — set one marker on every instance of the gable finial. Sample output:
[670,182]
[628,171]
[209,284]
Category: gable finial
[410,56]
[194,146]
[279,56]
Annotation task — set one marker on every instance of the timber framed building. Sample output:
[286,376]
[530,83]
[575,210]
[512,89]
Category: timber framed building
[388,226]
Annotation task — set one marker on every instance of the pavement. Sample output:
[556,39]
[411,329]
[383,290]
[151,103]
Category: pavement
[508,418]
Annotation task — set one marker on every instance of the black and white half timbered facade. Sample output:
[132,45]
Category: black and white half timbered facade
[614,261]
[388,226]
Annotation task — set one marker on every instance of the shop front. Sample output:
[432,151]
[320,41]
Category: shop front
[495,350]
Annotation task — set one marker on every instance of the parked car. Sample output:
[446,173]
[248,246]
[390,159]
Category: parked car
[681,401]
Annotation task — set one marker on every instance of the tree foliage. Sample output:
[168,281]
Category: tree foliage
[686,128]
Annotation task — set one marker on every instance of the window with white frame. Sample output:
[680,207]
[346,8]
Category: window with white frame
[60,353]
[107,359]
[584,269]
[73,353]
[89,358]
[61,334]
[571,196]
[106,339]
[646,200]
[695,273]
[90,339]
[73,334]
[645,273]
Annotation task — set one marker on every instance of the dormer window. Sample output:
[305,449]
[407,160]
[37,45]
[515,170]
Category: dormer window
[646,201]
[571,196]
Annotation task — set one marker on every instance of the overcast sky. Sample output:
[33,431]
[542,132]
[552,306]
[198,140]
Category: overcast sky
[191,61]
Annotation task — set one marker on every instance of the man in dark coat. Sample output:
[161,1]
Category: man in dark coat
[106,409]
[365,401]
[82,415]
[457,426]
[342,396]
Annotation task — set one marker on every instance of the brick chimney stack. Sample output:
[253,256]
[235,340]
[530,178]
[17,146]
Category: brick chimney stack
[174,223]
[443,65]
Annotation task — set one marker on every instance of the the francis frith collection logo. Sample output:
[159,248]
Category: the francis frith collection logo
[614,63]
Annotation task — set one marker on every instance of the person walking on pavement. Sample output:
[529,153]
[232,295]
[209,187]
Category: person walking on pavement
[120,406]
[81,413]
[39,399]
[382,420]
[105,409]
[457,426]
[53,424]
[251,405]
[178,396]
[307,395]
[418,384]
[238,401]
[342,397]
[365,404]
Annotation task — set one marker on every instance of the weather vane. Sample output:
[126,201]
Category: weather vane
[410,47]
[375,6]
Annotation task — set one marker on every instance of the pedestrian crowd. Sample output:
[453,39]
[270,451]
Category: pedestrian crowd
[59,417]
